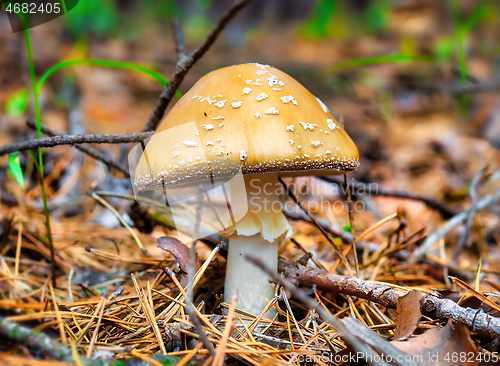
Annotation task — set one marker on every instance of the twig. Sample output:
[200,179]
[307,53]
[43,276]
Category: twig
[476,88]
[468,76]
[93,153]
[315,222]
[400,254]
[351,222]
[190,287]
[185,64]
[454,221]
[358,345]
[180,46]
[34,339]
[444,210]
[476,320]
[307,255]
[73,140]
[338,232]
[470,214]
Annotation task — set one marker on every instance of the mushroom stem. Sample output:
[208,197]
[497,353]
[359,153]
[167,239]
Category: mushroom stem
[244,278]
[258,234]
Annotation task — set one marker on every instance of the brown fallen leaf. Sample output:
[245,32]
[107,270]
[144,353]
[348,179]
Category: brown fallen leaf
[408,315]
[178,250]
[450,345]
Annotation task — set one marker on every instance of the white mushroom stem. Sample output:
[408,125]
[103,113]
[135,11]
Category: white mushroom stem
[258,234]
[242,277]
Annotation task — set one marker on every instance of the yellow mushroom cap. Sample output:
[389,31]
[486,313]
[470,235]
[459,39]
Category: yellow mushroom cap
[251,117]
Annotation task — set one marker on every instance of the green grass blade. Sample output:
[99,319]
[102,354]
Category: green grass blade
[105,63]
[41,175]
[379,60]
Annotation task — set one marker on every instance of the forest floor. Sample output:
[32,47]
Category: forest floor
[425,198]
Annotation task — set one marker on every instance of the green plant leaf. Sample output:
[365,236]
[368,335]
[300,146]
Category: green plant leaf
[16,104]
[15,168]
[97,17]
[443,48]
[319,23]
[377,14]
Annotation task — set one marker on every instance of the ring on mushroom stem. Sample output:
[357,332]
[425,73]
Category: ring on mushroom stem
[237,129]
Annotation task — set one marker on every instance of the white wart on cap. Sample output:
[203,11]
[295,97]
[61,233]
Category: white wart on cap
[249,116]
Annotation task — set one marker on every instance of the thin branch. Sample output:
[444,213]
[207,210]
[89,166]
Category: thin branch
[185,64]
[336,231]
[93,153]
[468,76]
[470,214]
[34,340]
[190,287]
[454,221]
[317,224]
[401,254]
[351,225]
[476,320]
[74,140]
[358,345]
[444,210]
[180,46]
[307,255]
[51,348]
[476,88]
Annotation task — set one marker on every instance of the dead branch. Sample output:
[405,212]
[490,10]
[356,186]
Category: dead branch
[93,153]
[317,224]
[336,231]
[351,226]
[444,210]
[180,46]
[74,140]
[476,320]
[470,214]
[190,287]
[358,345]
[476,88]
[184,65]
[468,76]
[34,339]
[454,221]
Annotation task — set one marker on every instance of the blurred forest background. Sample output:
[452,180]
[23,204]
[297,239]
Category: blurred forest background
[389,67]
[415,81]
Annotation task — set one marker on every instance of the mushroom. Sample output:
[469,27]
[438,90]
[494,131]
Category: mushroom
[260,120]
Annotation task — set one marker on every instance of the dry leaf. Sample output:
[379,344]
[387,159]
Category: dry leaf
[408,315]
[450,345]
[178,250]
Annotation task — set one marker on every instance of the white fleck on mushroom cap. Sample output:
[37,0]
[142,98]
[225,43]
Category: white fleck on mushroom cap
[263,111]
